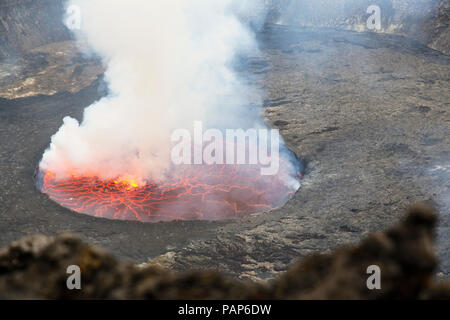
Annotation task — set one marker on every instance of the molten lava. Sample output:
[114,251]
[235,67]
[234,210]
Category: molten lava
[189,192]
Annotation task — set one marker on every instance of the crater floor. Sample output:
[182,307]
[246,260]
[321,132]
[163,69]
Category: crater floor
[368,113]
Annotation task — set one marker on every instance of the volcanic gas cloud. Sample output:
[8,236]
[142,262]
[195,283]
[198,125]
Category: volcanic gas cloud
[169,64]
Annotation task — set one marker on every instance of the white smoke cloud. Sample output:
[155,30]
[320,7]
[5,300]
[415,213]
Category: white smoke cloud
[168,64]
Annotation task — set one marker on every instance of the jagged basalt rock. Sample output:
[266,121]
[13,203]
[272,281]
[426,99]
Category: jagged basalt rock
[404,254]
[36,268]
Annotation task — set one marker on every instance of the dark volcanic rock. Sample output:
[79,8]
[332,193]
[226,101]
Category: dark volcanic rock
[367,112]
[47,70]
[36,268]
[437,28]
[404,254]
[27,24]
[37,54]
[423,20]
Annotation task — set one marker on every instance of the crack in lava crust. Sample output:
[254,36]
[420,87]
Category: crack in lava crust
[190,192]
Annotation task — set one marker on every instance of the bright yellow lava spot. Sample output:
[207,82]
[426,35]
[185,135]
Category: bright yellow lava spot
[127,183]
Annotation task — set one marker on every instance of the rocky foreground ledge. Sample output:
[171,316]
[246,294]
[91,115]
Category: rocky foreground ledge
[36,267]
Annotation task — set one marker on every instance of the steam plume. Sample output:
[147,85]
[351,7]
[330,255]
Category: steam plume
[167,65]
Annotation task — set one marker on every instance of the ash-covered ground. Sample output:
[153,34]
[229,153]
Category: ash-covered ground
[368,114]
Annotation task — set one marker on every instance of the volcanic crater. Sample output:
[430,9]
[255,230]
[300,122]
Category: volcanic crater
[189,192]
[367,113]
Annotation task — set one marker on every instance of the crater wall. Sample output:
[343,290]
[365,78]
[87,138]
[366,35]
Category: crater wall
[27,24]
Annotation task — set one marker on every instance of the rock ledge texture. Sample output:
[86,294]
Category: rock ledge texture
[36,267]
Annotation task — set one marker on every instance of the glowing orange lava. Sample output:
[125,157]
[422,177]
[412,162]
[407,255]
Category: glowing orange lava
[189,192]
